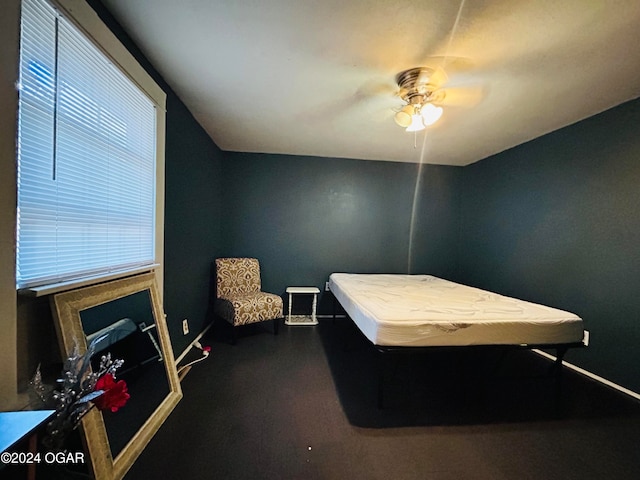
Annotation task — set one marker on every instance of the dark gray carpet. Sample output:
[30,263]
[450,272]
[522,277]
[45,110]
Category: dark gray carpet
[302,405]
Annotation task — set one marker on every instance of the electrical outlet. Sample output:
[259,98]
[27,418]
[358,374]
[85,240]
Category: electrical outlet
[185,327]
[326,286]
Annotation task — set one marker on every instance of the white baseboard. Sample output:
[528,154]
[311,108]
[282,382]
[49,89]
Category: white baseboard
[593,376]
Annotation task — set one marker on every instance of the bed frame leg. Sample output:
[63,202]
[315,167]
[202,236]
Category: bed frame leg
[382,363]
[557,369]
[335,309]
[387,364]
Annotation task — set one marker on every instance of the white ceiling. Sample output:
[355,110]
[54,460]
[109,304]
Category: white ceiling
[317,78]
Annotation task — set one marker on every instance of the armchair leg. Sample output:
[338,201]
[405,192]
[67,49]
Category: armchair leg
[276,325]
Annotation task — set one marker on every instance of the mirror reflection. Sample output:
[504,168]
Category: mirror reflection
[125,329]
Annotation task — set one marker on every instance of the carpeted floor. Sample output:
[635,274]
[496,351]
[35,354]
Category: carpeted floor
[303,405]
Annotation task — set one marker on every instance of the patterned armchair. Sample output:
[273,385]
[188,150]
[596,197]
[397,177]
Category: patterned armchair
[239,300]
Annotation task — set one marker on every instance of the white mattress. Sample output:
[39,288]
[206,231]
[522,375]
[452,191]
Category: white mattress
[422,310]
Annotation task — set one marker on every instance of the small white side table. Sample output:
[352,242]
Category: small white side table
[302,319]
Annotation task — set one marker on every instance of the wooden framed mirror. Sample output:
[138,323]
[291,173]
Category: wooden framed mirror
[129,310]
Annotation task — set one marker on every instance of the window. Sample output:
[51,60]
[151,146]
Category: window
[87,141]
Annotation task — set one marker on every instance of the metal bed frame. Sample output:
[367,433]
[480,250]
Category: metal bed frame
[555,369]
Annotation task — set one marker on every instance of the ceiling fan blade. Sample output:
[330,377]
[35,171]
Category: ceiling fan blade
[438,77]
[463,96]
[376,89]
[370,95]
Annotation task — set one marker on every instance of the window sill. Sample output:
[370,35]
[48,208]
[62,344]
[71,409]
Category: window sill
[50,289]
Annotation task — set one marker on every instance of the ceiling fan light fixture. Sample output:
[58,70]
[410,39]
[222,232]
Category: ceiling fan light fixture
[419,87]
[430,113]
[416,123]
[403,117]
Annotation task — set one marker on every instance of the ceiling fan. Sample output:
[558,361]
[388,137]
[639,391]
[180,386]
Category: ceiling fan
[421,89]
[424,91]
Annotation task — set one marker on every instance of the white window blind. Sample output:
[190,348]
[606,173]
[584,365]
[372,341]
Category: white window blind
[86,158]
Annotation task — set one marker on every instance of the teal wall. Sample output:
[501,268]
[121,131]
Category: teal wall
[306,217]
[557,221]
[192,226]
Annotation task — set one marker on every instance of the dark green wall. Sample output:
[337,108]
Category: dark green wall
[306,217]
[435,239]
[557,221]
[193,212]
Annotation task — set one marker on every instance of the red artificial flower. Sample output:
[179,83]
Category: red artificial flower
[115,393]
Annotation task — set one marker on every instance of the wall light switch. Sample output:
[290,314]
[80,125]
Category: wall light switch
[185,327]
